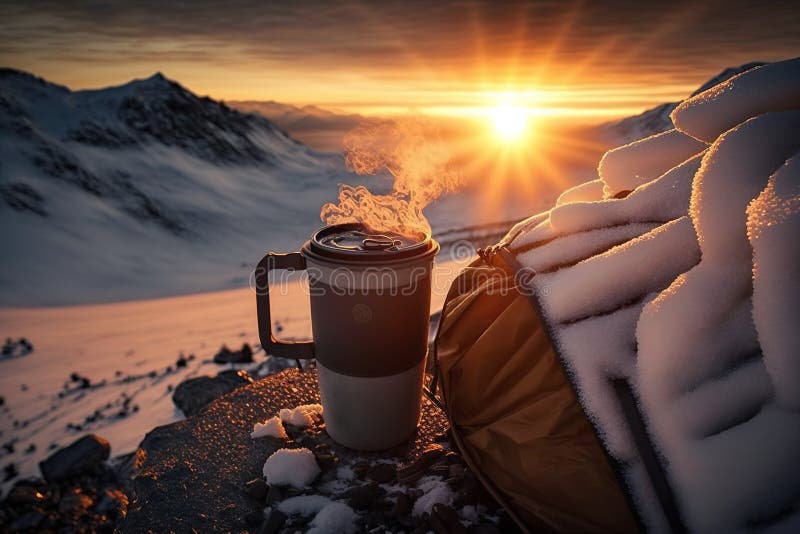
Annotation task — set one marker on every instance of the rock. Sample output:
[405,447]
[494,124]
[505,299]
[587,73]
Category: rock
[484,528]
[27,521]
[402,506]
[226,355]
[76,503]
[364,496]
[412,472]
[112,504]
[192,395]
[10,472]
[444,520]
[254,518]
[257,489]
[274,494]
[361,469]
[382,473]
[84,456]
[24,494]
[273,523]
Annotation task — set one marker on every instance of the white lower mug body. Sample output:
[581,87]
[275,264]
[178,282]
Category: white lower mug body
[371,413]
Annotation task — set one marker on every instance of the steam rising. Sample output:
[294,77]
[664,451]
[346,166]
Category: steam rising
[412,152]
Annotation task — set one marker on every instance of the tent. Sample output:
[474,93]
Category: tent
[630,359]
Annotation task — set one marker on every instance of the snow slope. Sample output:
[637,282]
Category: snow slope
[125,350]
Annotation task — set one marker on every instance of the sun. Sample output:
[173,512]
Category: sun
[510,122]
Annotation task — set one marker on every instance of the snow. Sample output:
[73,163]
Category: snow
[334,518]
[291,467]
[272,427]
[301,416]
[773,224]
[437,491]
[304,505]
[637,163]
[624,273]
[661,200]
[771,87]
[734,171]
[687,288]
[585,192]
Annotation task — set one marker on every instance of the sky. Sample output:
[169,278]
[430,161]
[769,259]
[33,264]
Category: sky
[451,57]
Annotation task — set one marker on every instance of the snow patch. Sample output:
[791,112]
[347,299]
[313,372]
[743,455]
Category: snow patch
[291,467]
[437,491]
[301,416]
[271,427]
[335,518]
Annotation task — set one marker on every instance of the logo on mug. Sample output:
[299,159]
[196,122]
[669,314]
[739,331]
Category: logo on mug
[362,313]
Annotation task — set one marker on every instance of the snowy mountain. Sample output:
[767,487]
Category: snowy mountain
[321,128]
[144,190]
[656,120]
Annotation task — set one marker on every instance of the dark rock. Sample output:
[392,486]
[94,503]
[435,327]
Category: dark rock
[192,395]
[484,528]
[76,503]
[257,489]
[382,473]
[273,523]
[254,518]
[10,472]
[225,355]
[402,506]
[444,520]
[182,362]
[363,497]
[274,494]
[24,494]
[112,503]
[27,521]
[361,469]
[326,461]
[83,456]
[412,472]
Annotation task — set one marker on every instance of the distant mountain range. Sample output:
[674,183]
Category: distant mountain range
[321,128]
[143,190]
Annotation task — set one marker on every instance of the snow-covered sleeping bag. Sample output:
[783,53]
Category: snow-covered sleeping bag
[668,290]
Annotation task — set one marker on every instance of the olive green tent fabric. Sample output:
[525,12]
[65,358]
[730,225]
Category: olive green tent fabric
[514,414]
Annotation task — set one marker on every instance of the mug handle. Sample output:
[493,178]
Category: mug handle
[282,349]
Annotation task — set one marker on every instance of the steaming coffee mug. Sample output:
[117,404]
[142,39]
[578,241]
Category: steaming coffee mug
[370,305]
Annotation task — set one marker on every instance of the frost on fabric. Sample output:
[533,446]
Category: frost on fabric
[625,273]
[661,200]
[710,398]
[585,192]
[630,166]
[271,427]
[291,467]
[772,87]
[773,227]
[734,171]
[437,491]
[301,416]
[575,247]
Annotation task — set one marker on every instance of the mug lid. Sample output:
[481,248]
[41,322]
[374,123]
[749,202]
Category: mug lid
[353,241]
